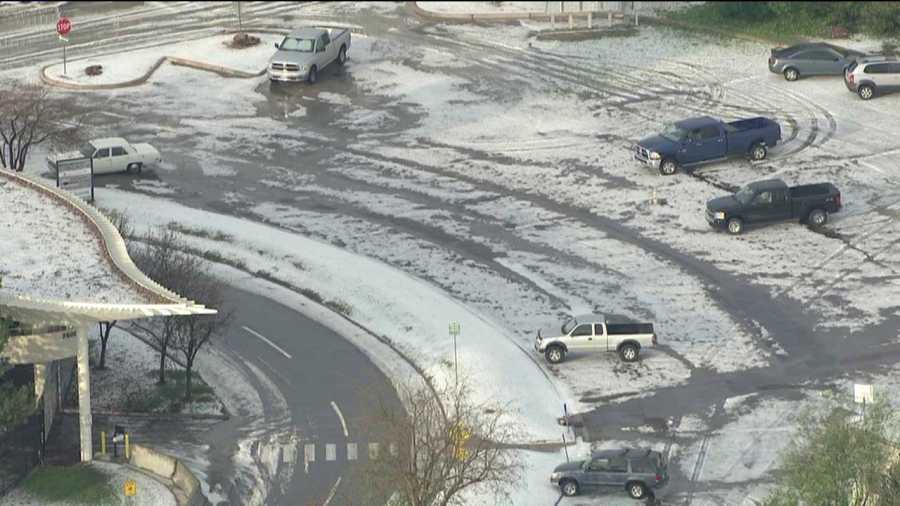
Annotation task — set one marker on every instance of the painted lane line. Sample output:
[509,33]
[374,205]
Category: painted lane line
[333,491]
[270,343]
[341,416]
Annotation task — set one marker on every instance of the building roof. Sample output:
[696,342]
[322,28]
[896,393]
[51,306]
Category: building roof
[63,259]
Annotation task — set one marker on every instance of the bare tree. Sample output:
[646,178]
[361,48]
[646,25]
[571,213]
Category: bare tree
[162,260]
[123,225]
[30,115]
[193,332]
[446,443]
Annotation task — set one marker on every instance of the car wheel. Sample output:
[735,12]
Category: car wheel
[313,75]
[758,152]
[866,92]
[735,226]
[342,55]
[555,354]
[569,488]
[791,74]
[629,353]
[817,218]
[668,167]
[134,168]
[636,490]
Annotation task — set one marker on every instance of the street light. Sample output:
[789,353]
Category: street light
[454,331]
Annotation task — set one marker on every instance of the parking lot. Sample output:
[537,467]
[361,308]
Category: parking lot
[498,169]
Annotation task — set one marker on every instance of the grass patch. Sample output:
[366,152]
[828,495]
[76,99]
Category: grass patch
[78,484]
[169,397]
[782,29]
[215,235]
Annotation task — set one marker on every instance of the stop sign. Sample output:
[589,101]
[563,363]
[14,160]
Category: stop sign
[63,26]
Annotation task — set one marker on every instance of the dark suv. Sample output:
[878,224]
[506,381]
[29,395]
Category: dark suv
[635,470]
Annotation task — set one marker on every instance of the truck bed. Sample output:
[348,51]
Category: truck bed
[812,190]
[747,124]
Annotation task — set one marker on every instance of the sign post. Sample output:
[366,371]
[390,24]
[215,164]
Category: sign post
[454,331]
[76,176]
[63,27]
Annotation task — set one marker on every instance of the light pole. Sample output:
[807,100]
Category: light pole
[454,331]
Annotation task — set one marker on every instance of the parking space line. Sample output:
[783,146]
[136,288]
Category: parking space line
[265,340]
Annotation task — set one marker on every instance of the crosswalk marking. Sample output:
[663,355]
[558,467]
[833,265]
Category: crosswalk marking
[351,451]
[393,448]
[330,452]
[309,452]
[373,451]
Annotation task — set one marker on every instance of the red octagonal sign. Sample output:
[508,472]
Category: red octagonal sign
[63,26]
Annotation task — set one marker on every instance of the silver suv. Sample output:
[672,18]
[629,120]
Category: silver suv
[638,471]
[873,75]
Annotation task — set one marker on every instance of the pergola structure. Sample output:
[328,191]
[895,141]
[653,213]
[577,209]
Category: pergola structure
[56,329]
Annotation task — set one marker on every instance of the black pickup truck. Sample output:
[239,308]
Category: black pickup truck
[772,201]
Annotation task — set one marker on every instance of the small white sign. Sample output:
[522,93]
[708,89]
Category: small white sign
[77,177]
[863,394]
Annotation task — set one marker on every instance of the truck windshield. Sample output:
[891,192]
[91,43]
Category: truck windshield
[87,149]
[745,195]
[569,325]
[301,45]
[674,133]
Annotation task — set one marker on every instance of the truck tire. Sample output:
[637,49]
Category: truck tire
[735,226]
[865,92]
[668,167]
[134,168]
[636,489]
[817,218]
[791,74]
[555,354]
[629,352]
[313,75]
[758,151]
[342,55]
[569,488]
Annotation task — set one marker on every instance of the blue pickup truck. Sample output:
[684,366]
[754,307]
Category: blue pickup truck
[701,140]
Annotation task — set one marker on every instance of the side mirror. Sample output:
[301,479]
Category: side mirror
[276,46]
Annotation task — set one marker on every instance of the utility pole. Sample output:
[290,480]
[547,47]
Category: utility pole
[454,331]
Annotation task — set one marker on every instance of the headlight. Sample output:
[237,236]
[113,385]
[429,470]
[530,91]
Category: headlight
[719,215]
[654,156]
[554,477]
[304,68]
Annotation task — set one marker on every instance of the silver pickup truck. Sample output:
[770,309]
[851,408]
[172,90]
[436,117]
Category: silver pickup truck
[590,333]
[306,51]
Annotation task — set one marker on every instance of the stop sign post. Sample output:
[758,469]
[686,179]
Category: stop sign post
[63,27]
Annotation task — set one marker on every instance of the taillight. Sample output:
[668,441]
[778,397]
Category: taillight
[850,77]
[658,477]
[837,200]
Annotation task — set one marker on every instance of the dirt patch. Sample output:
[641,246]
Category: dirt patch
[242,41]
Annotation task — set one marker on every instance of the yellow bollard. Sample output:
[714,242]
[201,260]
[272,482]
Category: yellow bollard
[103,443]
[127,448]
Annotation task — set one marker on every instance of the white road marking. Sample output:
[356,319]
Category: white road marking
[341,416]
[330,452]
[333,491]
[393,449]
[352,451]
[270,343]
[373,451]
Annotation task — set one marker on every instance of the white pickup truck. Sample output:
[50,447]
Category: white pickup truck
[591,333]
[112,154]
[306,51]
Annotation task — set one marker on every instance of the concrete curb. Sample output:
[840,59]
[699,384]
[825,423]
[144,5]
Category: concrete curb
[170,472]
[174,60]
[501,17]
